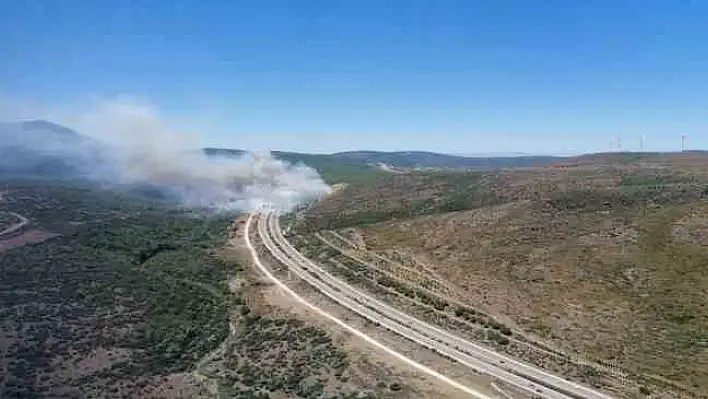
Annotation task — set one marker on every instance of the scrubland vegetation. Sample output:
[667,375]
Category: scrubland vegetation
[603,259]
[130,298]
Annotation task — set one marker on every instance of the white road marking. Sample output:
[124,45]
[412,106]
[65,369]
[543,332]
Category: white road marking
[368,339]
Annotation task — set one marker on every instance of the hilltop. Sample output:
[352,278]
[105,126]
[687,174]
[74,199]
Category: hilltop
[41,148]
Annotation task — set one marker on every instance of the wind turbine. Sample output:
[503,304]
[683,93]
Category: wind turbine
[616,144]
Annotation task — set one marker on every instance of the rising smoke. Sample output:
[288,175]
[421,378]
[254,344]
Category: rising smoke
[137,147]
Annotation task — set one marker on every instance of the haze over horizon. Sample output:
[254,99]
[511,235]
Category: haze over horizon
[451,77]
[127,144]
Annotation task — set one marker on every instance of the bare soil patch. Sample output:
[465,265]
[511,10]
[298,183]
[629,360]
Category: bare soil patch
[26,238]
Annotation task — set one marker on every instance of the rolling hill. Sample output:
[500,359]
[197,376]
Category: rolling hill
[603,258]
[424,159]
[44,149]
[47,149]
[368,166]
[333,169]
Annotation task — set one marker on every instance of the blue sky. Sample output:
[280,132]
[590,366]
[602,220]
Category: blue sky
[454,76]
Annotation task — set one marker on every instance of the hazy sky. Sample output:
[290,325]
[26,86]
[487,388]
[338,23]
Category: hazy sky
[456,76]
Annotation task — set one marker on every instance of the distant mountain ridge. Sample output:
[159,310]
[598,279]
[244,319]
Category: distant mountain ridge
[50,140]
[45,149]
[403,159]
[425,159]
[16,132]
[38,148]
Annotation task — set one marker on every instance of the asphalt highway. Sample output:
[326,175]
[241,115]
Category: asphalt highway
[470,354]
[473,392]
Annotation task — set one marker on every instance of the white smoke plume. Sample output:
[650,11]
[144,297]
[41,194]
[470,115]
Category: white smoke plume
[143,149]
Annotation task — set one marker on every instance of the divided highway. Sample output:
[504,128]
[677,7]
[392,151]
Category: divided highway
[376,344]
[474,356]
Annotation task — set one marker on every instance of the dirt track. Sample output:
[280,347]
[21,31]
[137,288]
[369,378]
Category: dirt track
[16,226]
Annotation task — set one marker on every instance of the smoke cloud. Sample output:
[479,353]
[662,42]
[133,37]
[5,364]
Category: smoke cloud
[132,145]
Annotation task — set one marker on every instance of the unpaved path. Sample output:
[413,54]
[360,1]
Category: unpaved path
[16,226]
[212,385]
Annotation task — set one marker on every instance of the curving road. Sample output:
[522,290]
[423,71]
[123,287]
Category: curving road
[16,226]
[254,255]
[477,357]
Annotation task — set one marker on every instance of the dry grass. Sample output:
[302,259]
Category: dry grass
[606,261]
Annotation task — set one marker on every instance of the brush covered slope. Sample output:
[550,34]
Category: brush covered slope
[104,294]
[602,258]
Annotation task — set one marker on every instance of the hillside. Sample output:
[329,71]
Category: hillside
[424,159]
[603,259]
[106,295]
[40,148]
[367,166]
[365,161]
[87,306]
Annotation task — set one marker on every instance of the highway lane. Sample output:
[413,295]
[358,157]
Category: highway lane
[532,373]
[370,313]
[254,255]
[354,302]
[536,379]
[400,322]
